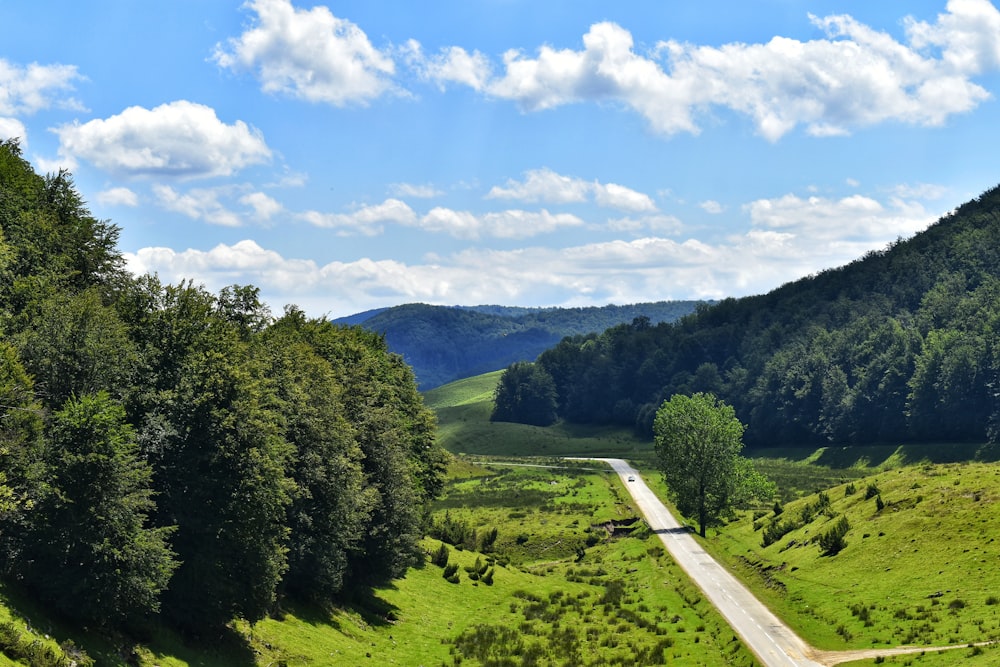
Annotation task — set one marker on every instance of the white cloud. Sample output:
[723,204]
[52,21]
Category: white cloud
[264,207]
[612,195]
[118,197]
[968,35]
[198,204]
[26,90]
[509,224]
[787,237]
[460,224]
[366,220]
[851,223]
[855,77]
[309,54]
[451,65]
[12,128]
[712,206]
[180,139]
[545,185]
[425,191]
[517,224]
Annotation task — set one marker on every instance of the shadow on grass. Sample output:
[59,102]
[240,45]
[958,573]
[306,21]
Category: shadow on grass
[873,456]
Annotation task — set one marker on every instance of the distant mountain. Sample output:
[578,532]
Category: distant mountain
[447,343]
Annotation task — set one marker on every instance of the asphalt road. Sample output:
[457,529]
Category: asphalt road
[773,642]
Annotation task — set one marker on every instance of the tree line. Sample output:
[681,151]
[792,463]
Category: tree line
[165,450]
[903,343]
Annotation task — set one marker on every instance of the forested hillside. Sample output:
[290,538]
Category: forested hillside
[168,450]
[900,344]
[444,343]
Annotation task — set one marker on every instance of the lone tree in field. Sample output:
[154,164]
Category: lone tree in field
[698,441]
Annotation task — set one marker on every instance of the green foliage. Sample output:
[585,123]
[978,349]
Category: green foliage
[285,457]
[525,394]
[89,551]
[832,541]
[698,443]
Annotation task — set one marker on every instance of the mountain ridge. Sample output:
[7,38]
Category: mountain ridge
[447,343]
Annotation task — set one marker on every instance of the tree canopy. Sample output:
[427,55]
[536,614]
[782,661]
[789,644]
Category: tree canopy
[168,450]
[698,441]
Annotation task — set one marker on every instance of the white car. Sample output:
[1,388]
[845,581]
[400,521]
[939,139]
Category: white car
[631,478]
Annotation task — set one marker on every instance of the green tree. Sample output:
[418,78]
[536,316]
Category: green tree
[403,466]
[329,505]
[89,550]
[526,394]
[698,440]
[210,424]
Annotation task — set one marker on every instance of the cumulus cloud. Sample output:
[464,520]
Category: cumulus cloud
[855,77]
[309,54]
[712,206]
[846,227]
[452,64]
[264,207]
[367,220]
[545,185]
[118,197]
[26,90]
[12,128]
[787,237]
[197,204]
[180,139]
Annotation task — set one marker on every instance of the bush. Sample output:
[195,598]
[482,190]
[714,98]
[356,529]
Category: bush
[775,531]
[871,491]
[832,541]
[440,557]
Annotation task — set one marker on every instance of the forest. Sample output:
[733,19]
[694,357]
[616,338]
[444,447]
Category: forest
[899,345]
[168,452]
[447,343]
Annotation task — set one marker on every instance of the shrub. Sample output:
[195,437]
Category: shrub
[871,491]
[775,531]
[832,541]
[879,503]
[440,557]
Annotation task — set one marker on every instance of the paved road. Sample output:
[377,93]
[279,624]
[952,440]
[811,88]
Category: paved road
[773,642]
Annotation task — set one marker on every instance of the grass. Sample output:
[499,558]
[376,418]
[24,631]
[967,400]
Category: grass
[463,410]
[921,570]
[561,591]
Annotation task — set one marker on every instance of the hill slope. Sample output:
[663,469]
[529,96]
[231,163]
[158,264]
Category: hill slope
[444,343]
[900,344]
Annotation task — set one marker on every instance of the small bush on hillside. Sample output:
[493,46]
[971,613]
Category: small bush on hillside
[879,503]
[871,491]
[775,531]
[832,541]
[440,557]
[850,490]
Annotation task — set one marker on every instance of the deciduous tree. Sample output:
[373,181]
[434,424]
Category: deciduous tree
[698,440]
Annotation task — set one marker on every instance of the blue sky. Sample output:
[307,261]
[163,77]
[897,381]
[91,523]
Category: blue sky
[352,155]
